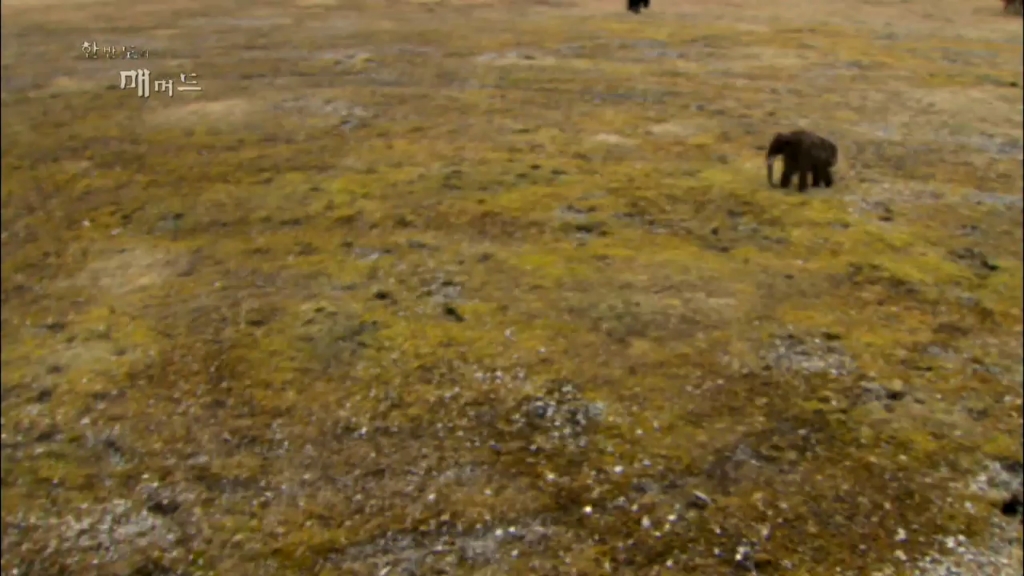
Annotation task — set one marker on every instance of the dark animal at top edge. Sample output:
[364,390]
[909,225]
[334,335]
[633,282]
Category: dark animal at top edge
[803,154]
[635,6]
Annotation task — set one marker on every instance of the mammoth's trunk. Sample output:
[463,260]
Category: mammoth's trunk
[770,163]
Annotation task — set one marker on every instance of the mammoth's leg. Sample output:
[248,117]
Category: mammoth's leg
[827,178]
[787,175]
[802,180]
[816,178]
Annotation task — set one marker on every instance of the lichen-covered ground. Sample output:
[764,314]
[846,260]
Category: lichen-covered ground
[500,288]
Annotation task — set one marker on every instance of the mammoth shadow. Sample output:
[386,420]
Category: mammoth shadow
[803,154]
[635,6]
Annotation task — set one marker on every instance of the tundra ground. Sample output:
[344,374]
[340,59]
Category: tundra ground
[500,288]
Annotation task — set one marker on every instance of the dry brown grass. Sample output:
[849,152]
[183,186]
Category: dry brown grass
[498,288]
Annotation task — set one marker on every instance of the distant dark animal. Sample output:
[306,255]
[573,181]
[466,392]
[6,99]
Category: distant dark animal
[802,153]
[1013,6]
[635,6]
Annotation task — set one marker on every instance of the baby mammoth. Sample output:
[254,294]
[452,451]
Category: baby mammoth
[802,153]
[635,6]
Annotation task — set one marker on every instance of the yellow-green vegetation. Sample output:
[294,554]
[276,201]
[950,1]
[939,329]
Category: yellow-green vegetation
[500,288]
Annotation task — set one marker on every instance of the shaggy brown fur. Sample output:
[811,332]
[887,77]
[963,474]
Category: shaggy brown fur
[802,153]
[635,6]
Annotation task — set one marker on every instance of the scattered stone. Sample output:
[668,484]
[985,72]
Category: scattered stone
[614,139]
[892,392]
[699,501]
[258,316]
[305,249]
[748,559]
[884,211]
[1002,487]
[559,414]
[573,211]
[792,353]
[453,313]
[591,227]
[974,259]
[1013,507]
[443,290]
[109,535]
[164,506]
